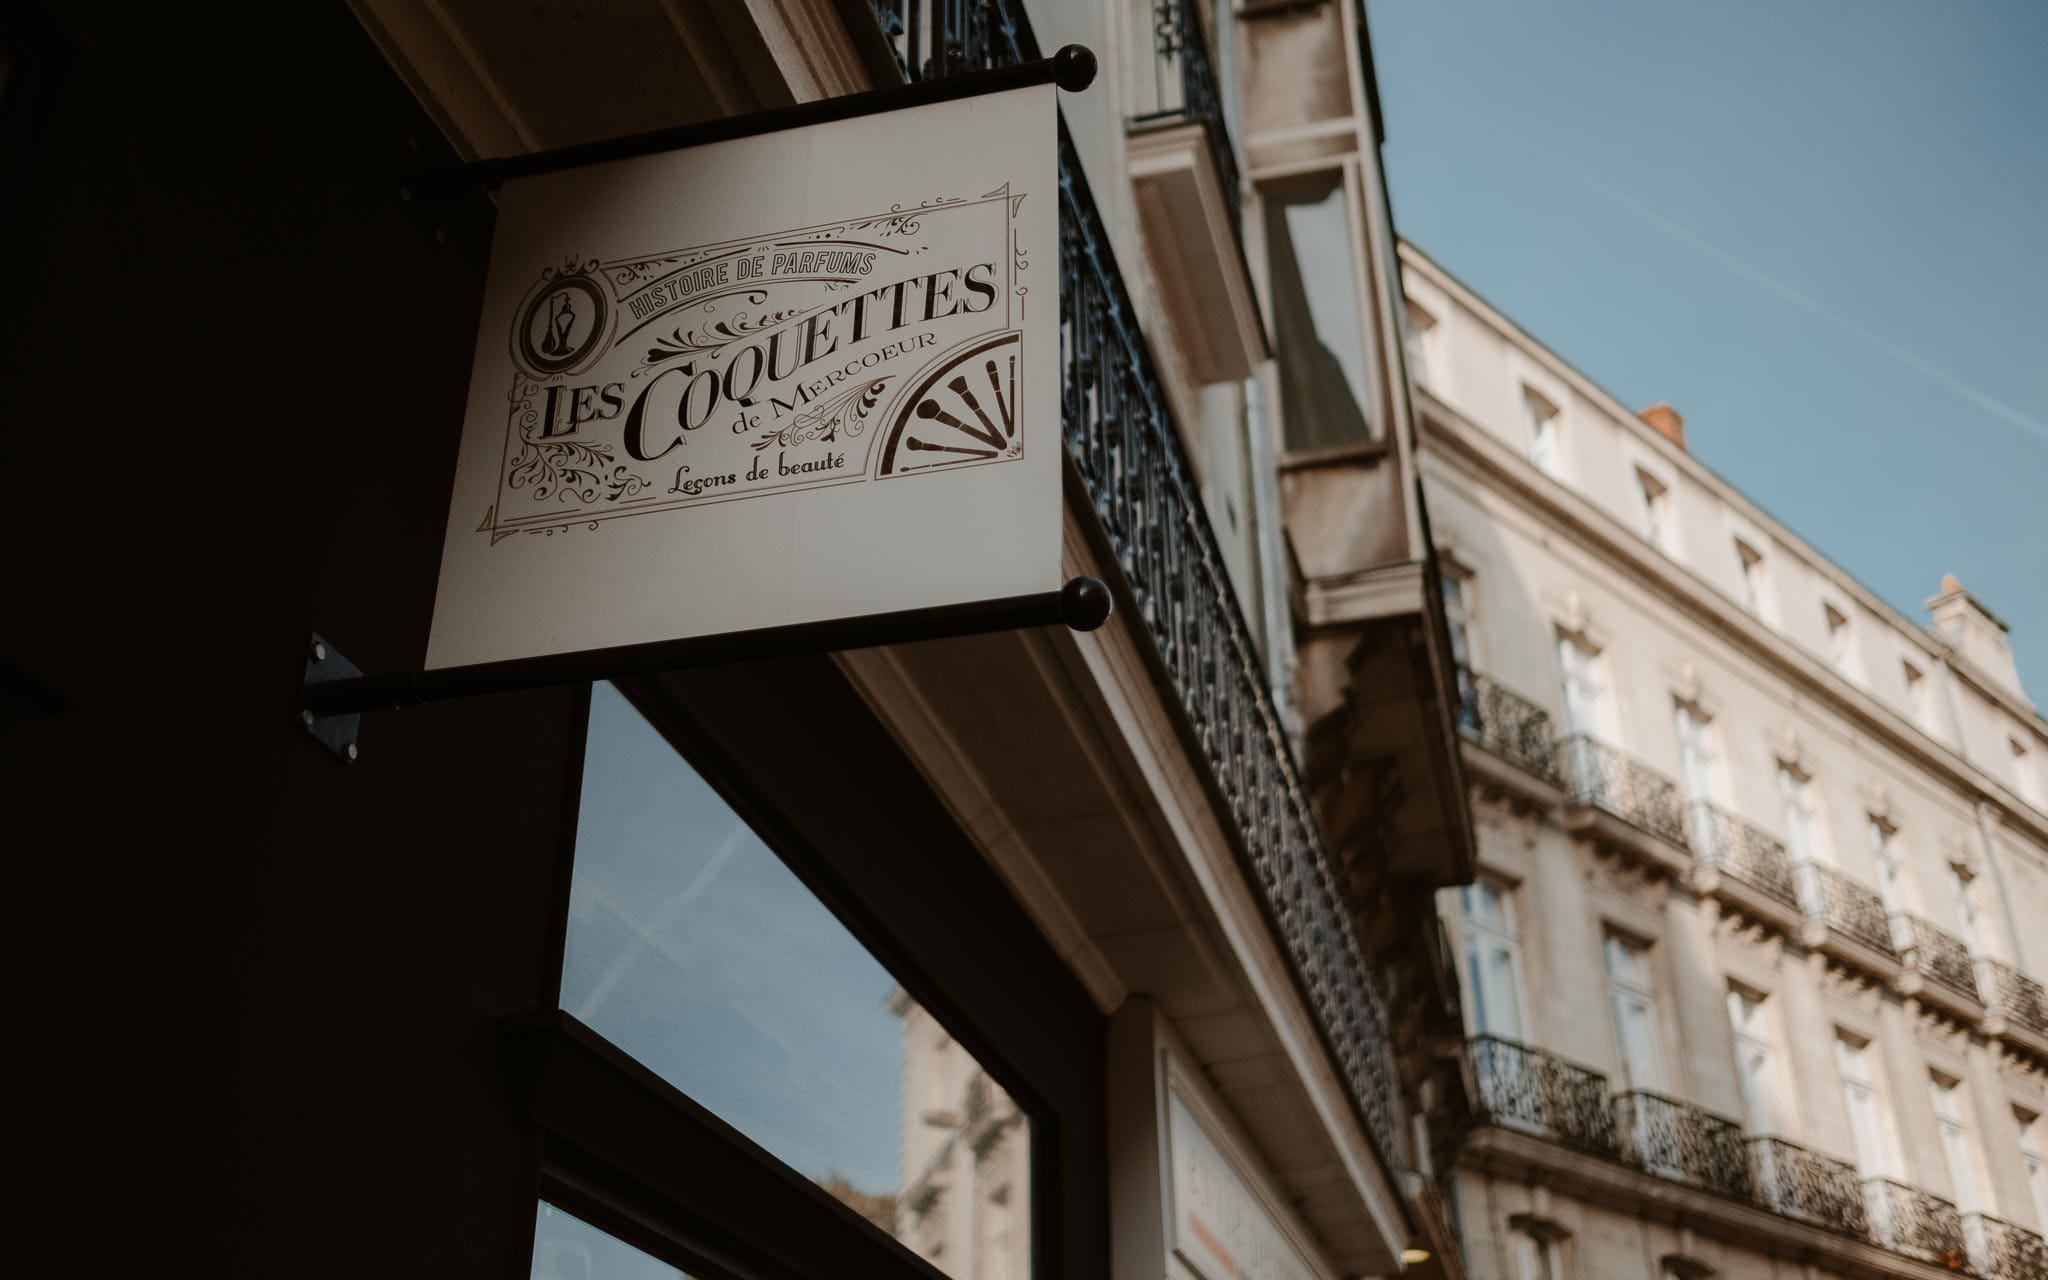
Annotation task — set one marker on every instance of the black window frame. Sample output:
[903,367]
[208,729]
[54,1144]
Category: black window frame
[635,1156]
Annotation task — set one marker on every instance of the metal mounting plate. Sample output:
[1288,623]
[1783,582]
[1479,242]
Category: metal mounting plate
[335,732]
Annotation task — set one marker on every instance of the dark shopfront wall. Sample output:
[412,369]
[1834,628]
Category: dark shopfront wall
[255,996]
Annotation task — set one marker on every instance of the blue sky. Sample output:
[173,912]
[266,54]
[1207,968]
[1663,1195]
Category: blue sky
[1819,229]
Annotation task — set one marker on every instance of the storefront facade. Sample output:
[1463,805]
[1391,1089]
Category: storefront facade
[1026,954]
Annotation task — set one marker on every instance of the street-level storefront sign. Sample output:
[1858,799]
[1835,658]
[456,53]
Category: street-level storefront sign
[807,375]
[1222,1228]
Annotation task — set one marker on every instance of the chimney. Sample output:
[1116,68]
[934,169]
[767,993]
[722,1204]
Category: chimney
[1667,422]
[1976,633]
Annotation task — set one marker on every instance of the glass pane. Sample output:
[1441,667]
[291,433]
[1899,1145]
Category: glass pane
[567,1248]
[696,950]
[1318,332]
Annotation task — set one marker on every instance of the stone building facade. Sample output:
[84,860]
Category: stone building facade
[1752,967]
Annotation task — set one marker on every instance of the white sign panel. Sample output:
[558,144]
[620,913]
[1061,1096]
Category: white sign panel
[806,375]
[1222,1230]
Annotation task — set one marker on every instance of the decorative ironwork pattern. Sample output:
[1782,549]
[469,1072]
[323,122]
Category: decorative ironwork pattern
[2014,996]
[1185,90]
[1599,775]
[932,39]
[1937,953]
[1683,1142]
[1907,1220]
[1842,904]
[1798,1183]
[2001,1251]
[1507,724]
[1525,1088]
[1721,839]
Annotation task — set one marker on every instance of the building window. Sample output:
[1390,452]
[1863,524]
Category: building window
[1950,1110]
[1457,589]
[1493,960]
[1869,1122]
[1318,330]
[1755,1061]
[1699,772]
[1805,834]
[1916,695]
[1588,700]
[1841,644]
[1418,335]
[1539,1252]
[2026,774]
[1539,432]
[695,949]
[1632,1000]
[1756,581]
[1891,869]
[2032,1164]
[565,1247]
[1962,888]
[1655,497]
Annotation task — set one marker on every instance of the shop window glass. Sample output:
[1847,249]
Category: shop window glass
[565,1247]
[1319,331]
[695,949]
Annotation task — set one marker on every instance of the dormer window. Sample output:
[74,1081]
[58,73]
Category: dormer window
[1756,580]
[2026,774]
[1841,647]
[1916,694]
[1656,510]
[1417,335]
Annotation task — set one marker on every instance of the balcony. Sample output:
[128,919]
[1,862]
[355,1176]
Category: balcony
[1624,805]
[1907,1220]
[1846,920]
[1798,1183]
[1685,1143]
[2001,1251]
[2015,1007]
[1520,750]
[1743,866]
[1938,969]
[1518,1087]
[1190,195]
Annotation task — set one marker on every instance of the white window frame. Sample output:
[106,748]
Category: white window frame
[1919,704]
[1653,494]
[1586,686]
[1876,1146]
[1482,940]
[1418,341]
[1952,1124]
[1753,571]
[2033,1162]
[1840,625]
[2026,774]
[1806,830]
[1541,434]
[1631,996]
[1749,1022]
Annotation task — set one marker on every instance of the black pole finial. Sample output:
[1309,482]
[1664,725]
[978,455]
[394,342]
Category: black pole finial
[1073,67]
[1085,603]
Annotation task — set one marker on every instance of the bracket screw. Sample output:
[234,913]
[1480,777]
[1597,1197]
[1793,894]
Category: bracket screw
[351,753]
[319,652]
[306,718]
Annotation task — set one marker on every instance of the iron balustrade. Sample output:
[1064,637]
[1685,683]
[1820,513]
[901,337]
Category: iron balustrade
[1683,1142]
[1849,908]
[933,39]
[1798,1183]
[1999,1250]
[1523,1088]
[1741,849]
[1907,1220]
[2012,995]
[1938,954]
[1607,778]
[1506,723]
[1185,90]
[1126,454]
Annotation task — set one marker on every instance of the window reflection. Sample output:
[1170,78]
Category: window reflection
[1318,329]
[694,948]
[567,1248]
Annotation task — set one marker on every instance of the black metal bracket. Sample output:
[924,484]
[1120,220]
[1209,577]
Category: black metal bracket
[334,693]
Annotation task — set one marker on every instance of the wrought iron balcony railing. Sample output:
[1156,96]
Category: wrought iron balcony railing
[1940,955]
[1721,839]
[1607,778]
[1683,1142]
[2001,1251]
[1798,1183]
[1185,90]
[1523,1088]
[1851,909]
[1126,455]
[2012,995]
[1907,1220]
[1506,723]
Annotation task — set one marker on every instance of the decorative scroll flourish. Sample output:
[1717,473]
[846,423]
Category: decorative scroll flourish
[825,421]
[570,470]
[709,339]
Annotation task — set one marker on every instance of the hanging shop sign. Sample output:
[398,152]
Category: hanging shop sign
[807,375]
[1222,1228]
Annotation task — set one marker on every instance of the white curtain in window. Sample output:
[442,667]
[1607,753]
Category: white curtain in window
[1632,999]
